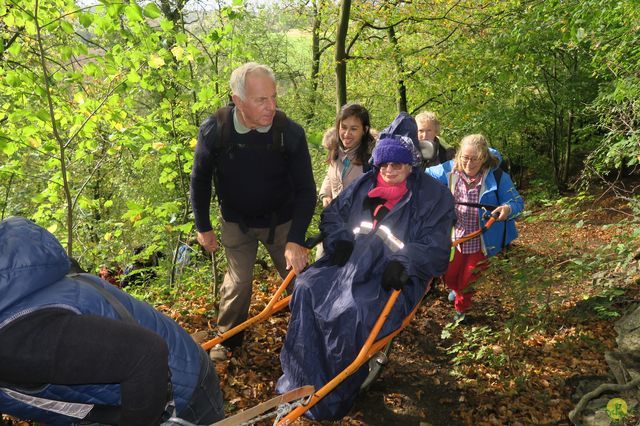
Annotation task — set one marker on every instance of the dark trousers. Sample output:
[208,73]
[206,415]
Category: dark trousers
[57,346]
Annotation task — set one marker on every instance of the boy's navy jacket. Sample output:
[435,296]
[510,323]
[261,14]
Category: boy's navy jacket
[33,269]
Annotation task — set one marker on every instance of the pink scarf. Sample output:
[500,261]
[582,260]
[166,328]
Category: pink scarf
[391,193]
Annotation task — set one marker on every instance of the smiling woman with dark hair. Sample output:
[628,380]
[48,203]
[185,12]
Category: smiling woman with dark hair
[348,157]
[388,230]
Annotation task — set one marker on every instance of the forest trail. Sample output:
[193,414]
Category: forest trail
[542,319]
[538,324]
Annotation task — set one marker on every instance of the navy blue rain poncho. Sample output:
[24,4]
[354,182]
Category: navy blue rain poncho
[334,308]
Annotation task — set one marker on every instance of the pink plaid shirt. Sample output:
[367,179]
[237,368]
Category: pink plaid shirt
[468,221]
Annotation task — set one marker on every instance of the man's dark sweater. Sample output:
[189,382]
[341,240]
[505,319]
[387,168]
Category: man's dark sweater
[253,182]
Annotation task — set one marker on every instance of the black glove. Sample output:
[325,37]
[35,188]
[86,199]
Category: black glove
[341,252]
[394,276]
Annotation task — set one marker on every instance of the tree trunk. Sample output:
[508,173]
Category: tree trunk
[567,148]
[341,54]
[558,161]
[397,58]
[315,63]
[570,122]
[6,196]
[66,186]
[553,150]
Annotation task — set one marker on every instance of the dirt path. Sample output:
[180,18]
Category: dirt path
[530,337]
[542,319]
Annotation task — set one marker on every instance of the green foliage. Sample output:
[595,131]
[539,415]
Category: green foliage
[100,105]
[476,346]
[106,114]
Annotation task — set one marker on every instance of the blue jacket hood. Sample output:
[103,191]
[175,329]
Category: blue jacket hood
[496,154]
[30,259]
[402,125]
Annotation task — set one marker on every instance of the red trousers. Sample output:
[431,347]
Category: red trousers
[462,272]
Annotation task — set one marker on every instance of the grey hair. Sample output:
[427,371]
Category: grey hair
[239,77]
[478,142]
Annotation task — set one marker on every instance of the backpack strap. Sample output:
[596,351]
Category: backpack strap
[122,312]
[224,130]
[278,126]
[221,141]
[497,174]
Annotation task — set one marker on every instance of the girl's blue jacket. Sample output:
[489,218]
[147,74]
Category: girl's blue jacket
[501,233]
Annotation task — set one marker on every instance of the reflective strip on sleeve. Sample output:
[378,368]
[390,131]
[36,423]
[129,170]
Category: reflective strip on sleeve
[364,228]
[71,409]
[389,239]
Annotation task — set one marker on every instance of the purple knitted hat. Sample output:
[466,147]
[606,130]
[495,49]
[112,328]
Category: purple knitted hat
[393,149]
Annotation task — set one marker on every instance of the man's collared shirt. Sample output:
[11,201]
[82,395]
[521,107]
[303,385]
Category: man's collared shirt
[242,129]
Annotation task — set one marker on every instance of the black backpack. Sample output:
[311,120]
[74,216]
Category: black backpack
[446,152]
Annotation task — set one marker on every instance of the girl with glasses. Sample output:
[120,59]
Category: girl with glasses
[476,184]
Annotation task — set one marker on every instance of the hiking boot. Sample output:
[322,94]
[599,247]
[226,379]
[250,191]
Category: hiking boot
[452,296]
[219,353]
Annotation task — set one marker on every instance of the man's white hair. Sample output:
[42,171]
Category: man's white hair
[239,77]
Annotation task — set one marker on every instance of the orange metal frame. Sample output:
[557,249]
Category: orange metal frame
[474,233]
[272,307]
[369,349]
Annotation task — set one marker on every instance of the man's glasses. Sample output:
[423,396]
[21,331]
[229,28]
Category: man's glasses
[392,166]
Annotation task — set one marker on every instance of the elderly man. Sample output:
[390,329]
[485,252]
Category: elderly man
[259,162]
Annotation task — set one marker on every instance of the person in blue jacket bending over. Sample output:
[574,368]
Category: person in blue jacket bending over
[478,185]
[74,349]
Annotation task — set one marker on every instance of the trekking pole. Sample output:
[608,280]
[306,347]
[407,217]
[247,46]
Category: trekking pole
[214,270]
